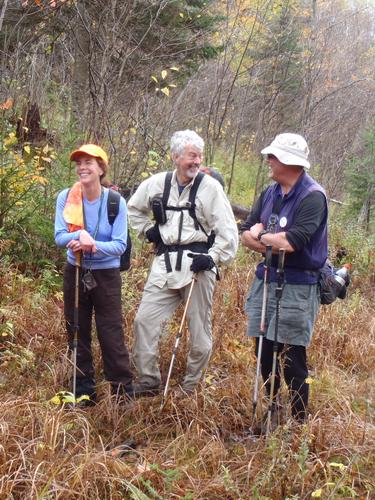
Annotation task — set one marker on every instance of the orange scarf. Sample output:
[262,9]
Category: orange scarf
[73,210]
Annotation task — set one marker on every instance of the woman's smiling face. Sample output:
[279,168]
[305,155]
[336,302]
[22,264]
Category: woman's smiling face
[88,169]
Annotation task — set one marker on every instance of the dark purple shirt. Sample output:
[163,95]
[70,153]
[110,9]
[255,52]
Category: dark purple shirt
[302,214]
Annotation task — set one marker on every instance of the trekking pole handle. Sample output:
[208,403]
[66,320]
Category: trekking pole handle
[281,260]
[78,256]
[268,259]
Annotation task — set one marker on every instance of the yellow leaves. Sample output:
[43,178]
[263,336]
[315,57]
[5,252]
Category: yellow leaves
[165,89]
[145,175]
[309,380]
[317,493]
[67,397]
[153,154]
[27,149]
[39,179]
[306,32]
[338,465]
[11,140]
[7,104]
[62,397]
[153,159]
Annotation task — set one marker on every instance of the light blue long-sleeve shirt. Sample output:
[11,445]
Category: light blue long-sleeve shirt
[110,240]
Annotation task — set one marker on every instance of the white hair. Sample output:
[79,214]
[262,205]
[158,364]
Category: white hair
[183,138]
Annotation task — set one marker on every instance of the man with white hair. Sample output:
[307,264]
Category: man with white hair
[193,231]
[290,214]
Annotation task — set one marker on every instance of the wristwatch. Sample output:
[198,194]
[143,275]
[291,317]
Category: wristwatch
[261,233]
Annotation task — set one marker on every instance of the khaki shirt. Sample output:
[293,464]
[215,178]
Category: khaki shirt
[212,210]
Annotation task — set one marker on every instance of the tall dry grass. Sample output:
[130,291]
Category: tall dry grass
[195,448]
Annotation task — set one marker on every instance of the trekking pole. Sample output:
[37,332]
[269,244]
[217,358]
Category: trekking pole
[178,337]
[278,294]
[75,322]
[263,325]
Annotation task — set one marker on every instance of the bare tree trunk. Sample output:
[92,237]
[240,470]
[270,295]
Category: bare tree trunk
[233,160]
[81,70]
[2,14]
[364,214]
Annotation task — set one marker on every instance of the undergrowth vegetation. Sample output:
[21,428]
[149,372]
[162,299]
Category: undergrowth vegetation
[194,448]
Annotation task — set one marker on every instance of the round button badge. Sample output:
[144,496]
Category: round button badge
[283,222]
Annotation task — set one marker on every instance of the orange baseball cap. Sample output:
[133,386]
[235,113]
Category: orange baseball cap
[91,150]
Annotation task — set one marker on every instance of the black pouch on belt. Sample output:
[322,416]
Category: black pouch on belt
[158,210]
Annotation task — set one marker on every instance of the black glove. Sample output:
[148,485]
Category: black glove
[153,235]
[201,262]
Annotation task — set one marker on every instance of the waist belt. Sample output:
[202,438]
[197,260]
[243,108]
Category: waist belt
[197,247]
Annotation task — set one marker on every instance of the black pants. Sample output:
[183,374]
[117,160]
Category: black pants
[295,373]
[105,301]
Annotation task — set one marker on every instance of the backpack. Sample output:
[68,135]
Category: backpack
[113,205]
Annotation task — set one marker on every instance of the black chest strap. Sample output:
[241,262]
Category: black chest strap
[190,206]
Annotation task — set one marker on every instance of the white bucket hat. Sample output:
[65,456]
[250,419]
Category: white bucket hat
[289,149]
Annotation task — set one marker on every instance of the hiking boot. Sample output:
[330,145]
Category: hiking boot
[140,391]
[122,393]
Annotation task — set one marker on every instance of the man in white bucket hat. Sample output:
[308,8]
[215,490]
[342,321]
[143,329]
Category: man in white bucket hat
[290,214]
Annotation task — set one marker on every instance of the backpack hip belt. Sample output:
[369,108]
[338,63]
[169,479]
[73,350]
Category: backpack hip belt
[198,247]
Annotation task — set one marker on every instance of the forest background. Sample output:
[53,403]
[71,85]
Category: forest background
[127,74]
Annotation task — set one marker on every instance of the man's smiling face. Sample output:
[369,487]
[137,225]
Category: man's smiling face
[188,163]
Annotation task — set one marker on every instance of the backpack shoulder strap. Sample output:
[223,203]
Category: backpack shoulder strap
[167,188]
[192,195]
[113,205]
[194,188]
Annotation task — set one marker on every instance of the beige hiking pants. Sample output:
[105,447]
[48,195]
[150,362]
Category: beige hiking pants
[156,308]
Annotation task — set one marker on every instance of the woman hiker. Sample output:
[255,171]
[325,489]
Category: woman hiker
[93,243]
